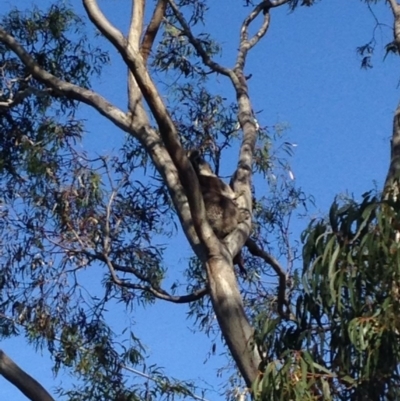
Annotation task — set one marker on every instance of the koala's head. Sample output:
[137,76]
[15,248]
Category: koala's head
[199,164]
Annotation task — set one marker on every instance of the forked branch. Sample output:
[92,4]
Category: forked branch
[167,128]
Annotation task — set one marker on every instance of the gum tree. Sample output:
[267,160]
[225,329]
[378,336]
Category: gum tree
[66,210]
[329,331]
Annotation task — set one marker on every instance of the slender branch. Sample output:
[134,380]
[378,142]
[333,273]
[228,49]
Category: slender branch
[135,30]
[176,299]
[113,267]
[20,379]
[152,29]
[245,44]
[157,292]
[21,95]
[65,88]
[113,34]
[136,26]
[255,250]
[197,44]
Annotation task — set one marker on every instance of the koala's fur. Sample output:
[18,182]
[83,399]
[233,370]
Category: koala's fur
[222,212]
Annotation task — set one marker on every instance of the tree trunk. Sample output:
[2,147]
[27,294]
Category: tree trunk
[228,307]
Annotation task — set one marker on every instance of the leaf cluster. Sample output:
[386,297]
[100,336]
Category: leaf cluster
[342,342]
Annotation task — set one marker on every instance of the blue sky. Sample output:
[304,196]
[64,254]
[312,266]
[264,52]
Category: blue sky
[306,73]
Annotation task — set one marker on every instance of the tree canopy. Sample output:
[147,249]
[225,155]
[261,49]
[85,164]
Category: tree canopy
[86,231]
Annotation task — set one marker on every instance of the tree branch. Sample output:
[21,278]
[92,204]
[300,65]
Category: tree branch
[21,95]
[393,176]
[136,26]
[113,34]
[255,250]
[166,126]
[20,379]
[152,29]
[157,292]
[245,44]
[197,44]
[395,7]
[64,88]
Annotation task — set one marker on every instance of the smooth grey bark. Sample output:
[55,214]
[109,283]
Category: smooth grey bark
[20,379]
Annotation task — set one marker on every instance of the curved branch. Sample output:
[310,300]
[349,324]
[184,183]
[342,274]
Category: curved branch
[197,44]
[255,250]
[64,88]
[21,95]
[113,34]
[245,44]
[165,296]
[157,292]
[20,379]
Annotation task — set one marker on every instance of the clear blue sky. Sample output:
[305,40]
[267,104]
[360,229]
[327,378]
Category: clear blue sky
[306,73]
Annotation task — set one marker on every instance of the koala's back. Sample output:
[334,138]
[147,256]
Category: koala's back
[222,213]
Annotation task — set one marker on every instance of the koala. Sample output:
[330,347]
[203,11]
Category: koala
[222,212]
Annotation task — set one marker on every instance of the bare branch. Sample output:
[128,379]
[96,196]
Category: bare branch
[255,250]
[157,292]
[152,29]
[396,26]
[64,88]
[136,26]
[165,296]
[197,44]
[157,380]
[246,44]
[20,379]
[113,34]
[21,95]
[135,30]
